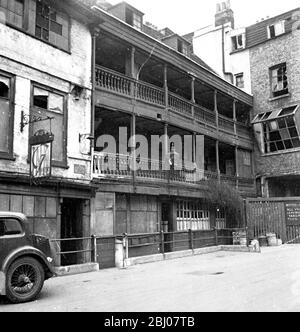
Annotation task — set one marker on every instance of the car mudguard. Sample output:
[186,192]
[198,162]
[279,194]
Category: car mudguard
[26,251]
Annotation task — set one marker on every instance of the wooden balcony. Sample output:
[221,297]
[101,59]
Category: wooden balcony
[111,81]
[120,167]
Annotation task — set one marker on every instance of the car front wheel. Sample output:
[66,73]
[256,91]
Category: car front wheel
[24,280]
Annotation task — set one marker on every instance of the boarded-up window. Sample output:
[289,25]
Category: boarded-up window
[52,26]
[5,115]
[45,104]
[13,11]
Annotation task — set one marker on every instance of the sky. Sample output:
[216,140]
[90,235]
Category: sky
[184,16]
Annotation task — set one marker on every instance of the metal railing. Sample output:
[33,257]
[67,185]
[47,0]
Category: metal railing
[73,250]
[102,249]
[149,244]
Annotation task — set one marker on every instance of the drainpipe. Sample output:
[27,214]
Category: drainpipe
[223,57]
[93,101]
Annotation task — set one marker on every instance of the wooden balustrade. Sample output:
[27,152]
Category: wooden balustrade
[226,124]
[121,166]
[180,104]
[113,81]
[205,116]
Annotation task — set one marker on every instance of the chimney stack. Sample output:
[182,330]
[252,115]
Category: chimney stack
[224,14]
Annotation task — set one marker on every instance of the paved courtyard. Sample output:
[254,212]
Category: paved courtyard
[222,281]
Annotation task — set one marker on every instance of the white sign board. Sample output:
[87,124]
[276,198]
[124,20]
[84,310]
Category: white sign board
[40,162]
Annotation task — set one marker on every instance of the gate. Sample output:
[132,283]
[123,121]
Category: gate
[274,215]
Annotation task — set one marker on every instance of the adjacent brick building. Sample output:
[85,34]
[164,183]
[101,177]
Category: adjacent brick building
[275,72]
[263,59]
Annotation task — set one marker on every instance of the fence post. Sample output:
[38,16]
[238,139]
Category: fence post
[162,242]
[216,236]
[94,249]
[247,235]
[191,239]
[125,246]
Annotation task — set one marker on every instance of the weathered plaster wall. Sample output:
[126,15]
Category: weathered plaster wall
[32,60]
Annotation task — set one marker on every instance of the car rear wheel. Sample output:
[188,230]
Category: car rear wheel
[24,280]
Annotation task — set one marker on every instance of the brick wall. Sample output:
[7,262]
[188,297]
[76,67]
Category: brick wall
[285,48]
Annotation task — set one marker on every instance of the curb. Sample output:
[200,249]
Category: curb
[187,253]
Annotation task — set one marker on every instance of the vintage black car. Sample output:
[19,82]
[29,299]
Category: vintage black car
[25,259]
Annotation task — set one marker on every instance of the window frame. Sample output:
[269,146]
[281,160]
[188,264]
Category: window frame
[55,163]
[31,30]
[24,19]
[239,75]
[9,155]
[235,44]
[283,92]
[278,128]
[9,236]
[282,23]
[59,12]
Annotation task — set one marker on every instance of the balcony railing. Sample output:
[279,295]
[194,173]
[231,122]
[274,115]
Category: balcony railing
[120,84]
[180,104]
[113,81]
[149,93]
[226,124]
[205,116]
[116,166]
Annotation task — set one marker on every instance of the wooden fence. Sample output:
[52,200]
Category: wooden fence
[274,215]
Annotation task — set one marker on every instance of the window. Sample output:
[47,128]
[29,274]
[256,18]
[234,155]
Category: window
[239,81]
[246,156]
[238,42]
[51,26]
[278,130]
[182,47]
[276,29]
[47,103]
[6,116]
[279,80]
[220,219]
[281,134]
[13,11]
[137,21]
[10,227]
[134,19]
[193,216]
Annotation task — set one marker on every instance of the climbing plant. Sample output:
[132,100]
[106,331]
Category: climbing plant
[223,196]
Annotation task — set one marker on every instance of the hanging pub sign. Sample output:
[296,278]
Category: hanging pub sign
[41,155]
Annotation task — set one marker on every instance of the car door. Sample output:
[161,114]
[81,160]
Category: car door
[12,236]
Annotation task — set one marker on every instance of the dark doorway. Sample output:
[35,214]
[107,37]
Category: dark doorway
[71,228]
[167,224]
[165,217]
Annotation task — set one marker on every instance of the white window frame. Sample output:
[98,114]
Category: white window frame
[279,29]
[235,41]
